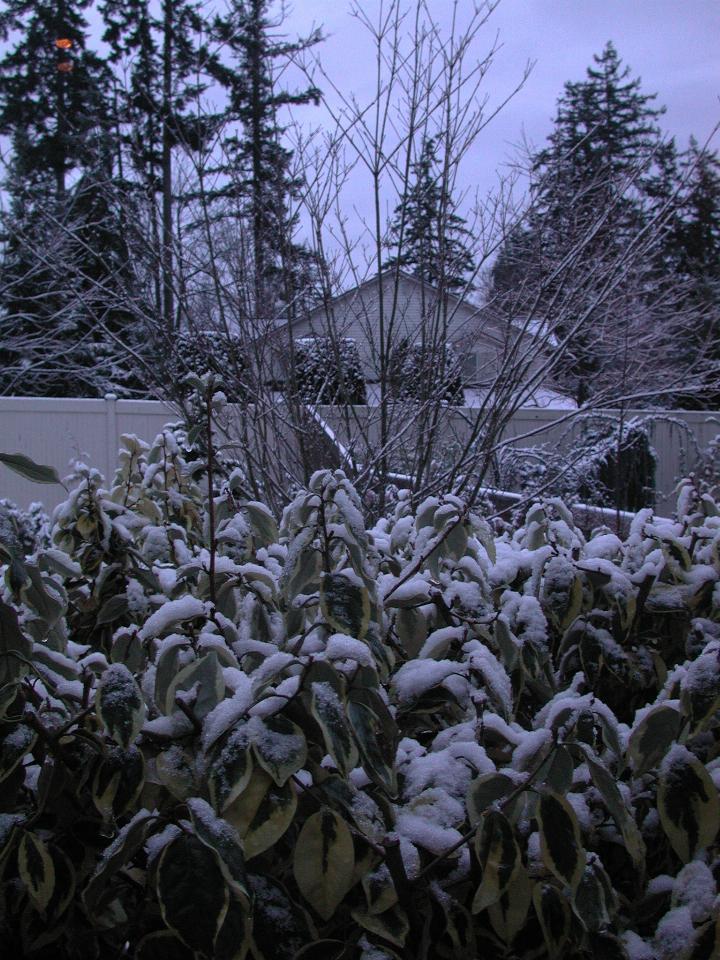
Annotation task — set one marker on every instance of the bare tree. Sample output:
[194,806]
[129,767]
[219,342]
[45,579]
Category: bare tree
[429,83]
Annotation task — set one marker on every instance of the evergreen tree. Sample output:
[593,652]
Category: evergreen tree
[604,134]
[604,170]
[61,257]
[157,112]
[698,234]
[53,90]
[694,246]
[429,237]
[258,165]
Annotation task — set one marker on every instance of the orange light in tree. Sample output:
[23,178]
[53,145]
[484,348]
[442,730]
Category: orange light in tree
[65,66]
[63,43]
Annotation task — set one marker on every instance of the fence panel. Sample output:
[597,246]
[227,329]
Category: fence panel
[57,431]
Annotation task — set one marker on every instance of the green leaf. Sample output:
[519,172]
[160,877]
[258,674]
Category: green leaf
[380,892]
[271,900]
[193,895]
[118,781]
[345,605]
[507,644]
[113,609]
[263,523]
[594,900]
[175,769]
[326,705]
[65,881]
[279,746]
[553,913]
[456,541]
[323,862]
[688,803]
[48,600]
[651,738]
[16,744]
[27,468]
[15,647]
[230,767]
[302,565]
[206,675]
[57,561]
[613,799]
[412,630]
[484,791]
[676,554]
[459,930]
[262,813]
[377,746]
[220,837]
[391,925]
[499,858]
[233,940]
[606,946]
[127,648]
[330,950]
[120,706]
[121,851]
[10,833]
[700,690]
[557,771]
[560,843]
[8,696]
[509,913]
[706,942]
[55,662]
[166,670]
[163,945]
[37,870]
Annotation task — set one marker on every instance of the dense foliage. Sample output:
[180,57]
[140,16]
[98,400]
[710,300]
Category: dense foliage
[224,736]
[328,370]
[611,464]
[607,174]
[426,372]
[427,235]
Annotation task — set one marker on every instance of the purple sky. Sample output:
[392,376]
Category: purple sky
[672,45]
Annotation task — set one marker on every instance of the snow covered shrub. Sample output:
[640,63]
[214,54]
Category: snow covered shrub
[225,734]
[419,373]
[328,370]
[620,472]
[30,526]
[707,471]
[593,473]
[199,353]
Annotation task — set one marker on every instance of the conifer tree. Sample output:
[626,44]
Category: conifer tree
[61,257]
[428,235]
[166,58]
[595,184]
[698,234]
[258,164]
[53,90]
[695,247]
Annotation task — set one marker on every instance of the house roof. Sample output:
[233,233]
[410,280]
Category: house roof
[519,326]
[405,275]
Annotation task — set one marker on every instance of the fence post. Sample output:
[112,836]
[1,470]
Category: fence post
[111,437]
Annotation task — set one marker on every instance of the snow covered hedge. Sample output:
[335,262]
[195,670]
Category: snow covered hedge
[308,739]
[329,370]
[422,373]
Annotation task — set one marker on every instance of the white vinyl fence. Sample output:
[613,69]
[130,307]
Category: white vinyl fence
[58,431]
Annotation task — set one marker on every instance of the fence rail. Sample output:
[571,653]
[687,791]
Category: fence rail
[58,431]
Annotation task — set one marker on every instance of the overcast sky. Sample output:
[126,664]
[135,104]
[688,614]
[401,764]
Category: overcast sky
[672,45]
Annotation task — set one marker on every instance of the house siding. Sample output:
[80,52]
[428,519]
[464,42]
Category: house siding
[413,314]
